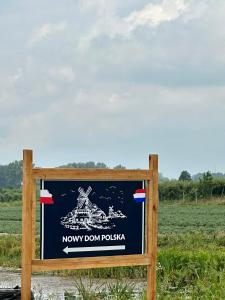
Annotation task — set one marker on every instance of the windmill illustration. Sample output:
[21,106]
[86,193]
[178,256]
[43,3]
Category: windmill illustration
[83,199]
[87,215]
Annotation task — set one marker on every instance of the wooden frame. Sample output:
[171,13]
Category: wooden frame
[30,264]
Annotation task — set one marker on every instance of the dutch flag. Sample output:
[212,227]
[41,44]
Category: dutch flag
[46,197]
[139,195]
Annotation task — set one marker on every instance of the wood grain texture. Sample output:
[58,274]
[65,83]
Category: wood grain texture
[26,226]
[91,174]
[153,213]
[90,262]
[148,220]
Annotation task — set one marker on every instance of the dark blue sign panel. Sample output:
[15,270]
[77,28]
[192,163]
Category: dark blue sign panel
[91,218]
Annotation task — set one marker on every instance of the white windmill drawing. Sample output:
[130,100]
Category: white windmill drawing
[87,215]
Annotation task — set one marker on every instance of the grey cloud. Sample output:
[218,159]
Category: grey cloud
[130,92]
[93,121]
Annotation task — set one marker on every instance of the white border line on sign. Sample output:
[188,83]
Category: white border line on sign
[143,220]
[97,248]
[42,224]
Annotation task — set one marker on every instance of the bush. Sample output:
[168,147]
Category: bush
[206,187]
[10,194]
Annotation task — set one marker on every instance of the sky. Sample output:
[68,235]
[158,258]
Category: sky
[113,81]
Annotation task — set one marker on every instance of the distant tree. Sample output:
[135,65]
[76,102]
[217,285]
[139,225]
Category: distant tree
[185,176]
[197,176]
[11,174]
[85,165]
[218,175]
[207,177]
[206,184]
[90,165]
[119,167]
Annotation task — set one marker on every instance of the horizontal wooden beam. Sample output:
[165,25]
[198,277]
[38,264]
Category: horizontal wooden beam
[91,174]
[89,262]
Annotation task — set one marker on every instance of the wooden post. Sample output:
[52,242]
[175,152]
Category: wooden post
[148,238]
[26,226]
[152,231]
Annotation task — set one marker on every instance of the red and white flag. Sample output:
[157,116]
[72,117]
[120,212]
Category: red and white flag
[46,197]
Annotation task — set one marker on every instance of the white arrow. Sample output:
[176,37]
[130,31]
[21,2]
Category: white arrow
[97,248]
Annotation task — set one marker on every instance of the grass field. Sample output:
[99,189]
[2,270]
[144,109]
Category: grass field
[173,218]
[181,218]
[191,257]
[11,219]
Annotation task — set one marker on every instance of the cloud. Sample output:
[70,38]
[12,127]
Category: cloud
[120,116]
[154,14]
[45,31]
[115,81]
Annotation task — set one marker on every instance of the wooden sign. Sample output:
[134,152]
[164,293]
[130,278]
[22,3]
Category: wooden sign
[90,218]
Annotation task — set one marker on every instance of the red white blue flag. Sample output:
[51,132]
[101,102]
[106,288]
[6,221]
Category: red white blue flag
[139,195]
[46,197]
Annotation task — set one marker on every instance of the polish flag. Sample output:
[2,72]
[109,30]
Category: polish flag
[46,197]
[139,195]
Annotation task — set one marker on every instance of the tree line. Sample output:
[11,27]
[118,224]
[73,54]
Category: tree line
[186,187]
[206,187]
[11,174]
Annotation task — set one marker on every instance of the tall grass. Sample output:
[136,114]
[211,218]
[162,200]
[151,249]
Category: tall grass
[119,290]
[10,251]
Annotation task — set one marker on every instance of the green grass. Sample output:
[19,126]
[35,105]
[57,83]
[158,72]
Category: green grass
[173,218]
[11,218]
[10,251]
[119,290]
[191,256]
[179,218]
[11,213]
